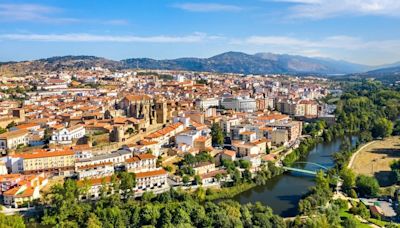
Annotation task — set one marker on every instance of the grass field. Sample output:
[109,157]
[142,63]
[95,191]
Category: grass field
[345,214]
[375,159]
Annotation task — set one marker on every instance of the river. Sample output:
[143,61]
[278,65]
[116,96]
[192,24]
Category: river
[283,193]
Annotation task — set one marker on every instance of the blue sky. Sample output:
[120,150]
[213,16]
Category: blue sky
[361,31]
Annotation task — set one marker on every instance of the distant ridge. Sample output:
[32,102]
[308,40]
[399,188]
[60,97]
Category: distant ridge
[260,63]
[228,62]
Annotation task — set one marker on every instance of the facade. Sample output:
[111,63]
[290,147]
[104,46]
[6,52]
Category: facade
[151,179]
[25,191]
[117,158]
[205,103]
[279,137]
[95,170]
[57,162]
[12,139]
[240,104]
[66,135]
[141,163]
[8,181]
[203,167]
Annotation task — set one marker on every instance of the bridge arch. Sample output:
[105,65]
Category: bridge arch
[304,170]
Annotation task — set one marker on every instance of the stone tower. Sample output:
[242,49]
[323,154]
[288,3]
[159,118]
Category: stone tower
[161,111]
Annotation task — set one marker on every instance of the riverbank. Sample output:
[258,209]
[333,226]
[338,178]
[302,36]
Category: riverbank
[282,193]
[229,192]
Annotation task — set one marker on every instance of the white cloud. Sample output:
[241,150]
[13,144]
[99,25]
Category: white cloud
[84,37]
[319,9]
[207,7]
[45,14]
[30,12]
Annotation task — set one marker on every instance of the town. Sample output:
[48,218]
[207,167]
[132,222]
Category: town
[169,128]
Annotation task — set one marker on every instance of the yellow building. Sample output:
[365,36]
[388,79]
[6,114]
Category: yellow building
[60,162]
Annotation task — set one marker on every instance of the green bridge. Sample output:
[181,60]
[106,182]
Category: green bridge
[305,170]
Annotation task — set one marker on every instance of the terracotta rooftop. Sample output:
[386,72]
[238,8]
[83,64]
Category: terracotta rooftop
[153,173]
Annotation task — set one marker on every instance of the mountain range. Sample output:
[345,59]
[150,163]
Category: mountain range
[229,62]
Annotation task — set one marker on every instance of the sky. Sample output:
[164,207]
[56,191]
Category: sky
[360,31]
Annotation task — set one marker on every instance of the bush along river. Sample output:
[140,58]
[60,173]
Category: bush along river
[283,193]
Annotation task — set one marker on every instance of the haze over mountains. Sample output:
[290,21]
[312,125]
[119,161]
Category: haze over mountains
[229,62]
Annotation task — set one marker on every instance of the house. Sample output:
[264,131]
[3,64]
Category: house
[245,149]
[254,160]
[228,155]
[32,127]
[248,136]
[163,136]
[141,163]
[203,167]
[12,139]
[211,177]
[8,181]
[26,191]
[95,187]
[150,180]
[66,135]
[95,170]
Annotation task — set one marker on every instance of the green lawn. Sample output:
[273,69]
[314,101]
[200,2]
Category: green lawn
[378,222]
[346,214]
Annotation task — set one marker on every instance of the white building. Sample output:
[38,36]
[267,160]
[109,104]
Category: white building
[187,137]
[241,104]
[66,135]
[12,139]
[151,179]
[206,103]
[95,170]
[117,158]
[141,163]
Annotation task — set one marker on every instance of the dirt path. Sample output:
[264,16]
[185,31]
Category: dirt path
[355,154]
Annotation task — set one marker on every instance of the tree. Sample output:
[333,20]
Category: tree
[94,222]
[218,177]
[237,176]
[185,180]
[361,209]
[130,131]
[367,186]
[382,128]
[14,221]
[396,130]
[128,182]
[245,164]
[2,130]
[349,222]
[217,135]
[11,125]
[197,180]
[349,179]
[148,196]
[366,136]
[200,194]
